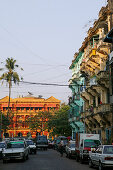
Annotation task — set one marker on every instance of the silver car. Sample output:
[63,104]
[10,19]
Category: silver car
[2,147]
[101,157]
[15,150]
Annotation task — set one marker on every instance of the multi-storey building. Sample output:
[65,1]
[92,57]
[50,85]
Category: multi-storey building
[109,39]
[24,108]
[97,115]
[75,101]
[97,110]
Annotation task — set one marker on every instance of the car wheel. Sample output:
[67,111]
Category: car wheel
[77,158]
[100,166]
[66,155]
[4,161]
[69,156]
[24,158]
[27,157]
[81,160]
[90,163]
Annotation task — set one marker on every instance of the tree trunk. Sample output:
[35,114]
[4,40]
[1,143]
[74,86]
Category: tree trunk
[9,98]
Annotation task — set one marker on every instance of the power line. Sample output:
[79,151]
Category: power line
[53,84]
[45,84]
[46,65]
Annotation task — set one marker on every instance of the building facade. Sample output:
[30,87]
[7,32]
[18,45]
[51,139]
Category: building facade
[97,115]
[75,101]
[24,108]
[109,39]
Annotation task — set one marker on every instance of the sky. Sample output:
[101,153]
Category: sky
[43,35]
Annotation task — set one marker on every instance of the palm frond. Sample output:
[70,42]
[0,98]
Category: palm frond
[15,77]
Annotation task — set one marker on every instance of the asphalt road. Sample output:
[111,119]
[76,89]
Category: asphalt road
[45,160]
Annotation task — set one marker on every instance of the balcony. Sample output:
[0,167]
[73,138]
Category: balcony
[92,53]
[102,47]
[86,113]
[70,82]
[103,108]
[103,75]
[103,79]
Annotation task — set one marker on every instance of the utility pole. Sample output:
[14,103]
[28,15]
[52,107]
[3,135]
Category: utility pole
[1,126]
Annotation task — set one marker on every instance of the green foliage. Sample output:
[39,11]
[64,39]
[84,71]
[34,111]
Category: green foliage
[39,121]
[4,122]
[59,124]
[10,75]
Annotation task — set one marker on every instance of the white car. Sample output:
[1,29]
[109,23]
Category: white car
[70,149]
[32,146]
[101,157]
[2,147]
[15,150]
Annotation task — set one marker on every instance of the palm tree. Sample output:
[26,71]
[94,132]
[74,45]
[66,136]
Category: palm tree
[10,75]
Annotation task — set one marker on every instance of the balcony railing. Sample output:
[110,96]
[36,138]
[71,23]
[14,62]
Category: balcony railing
[103,108]
[103,75]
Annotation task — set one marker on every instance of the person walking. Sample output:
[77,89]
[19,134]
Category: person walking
[61,149]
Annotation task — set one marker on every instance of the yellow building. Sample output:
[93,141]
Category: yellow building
[25,107]
[97,115]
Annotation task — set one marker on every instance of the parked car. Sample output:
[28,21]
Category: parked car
[70,149]
[42,142]
[56,143]
[15,150]
[2,147]
[101,157]
[32,146]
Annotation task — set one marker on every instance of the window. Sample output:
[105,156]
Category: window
[108,150]
[91,143]
[27,108]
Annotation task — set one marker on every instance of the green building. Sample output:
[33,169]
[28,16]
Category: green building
[76,84]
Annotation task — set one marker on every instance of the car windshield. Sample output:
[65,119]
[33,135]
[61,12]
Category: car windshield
[72,145]
[30,142]
[108,150]
[15,145]
[91,143]
[2,145]
[65,142]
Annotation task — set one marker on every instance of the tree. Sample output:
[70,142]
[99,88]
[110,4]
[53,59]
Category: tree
[33,122]
[59,124]
[10,75]
[4,122]
[39,121]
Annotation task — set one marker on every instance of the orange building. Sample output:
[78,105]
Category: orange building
[23,108]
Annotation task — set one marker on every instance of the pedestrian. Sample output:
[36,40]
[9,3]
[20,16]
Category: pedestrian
[61,148]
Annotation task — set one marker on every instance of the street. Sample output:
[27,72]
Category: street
[45,160]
